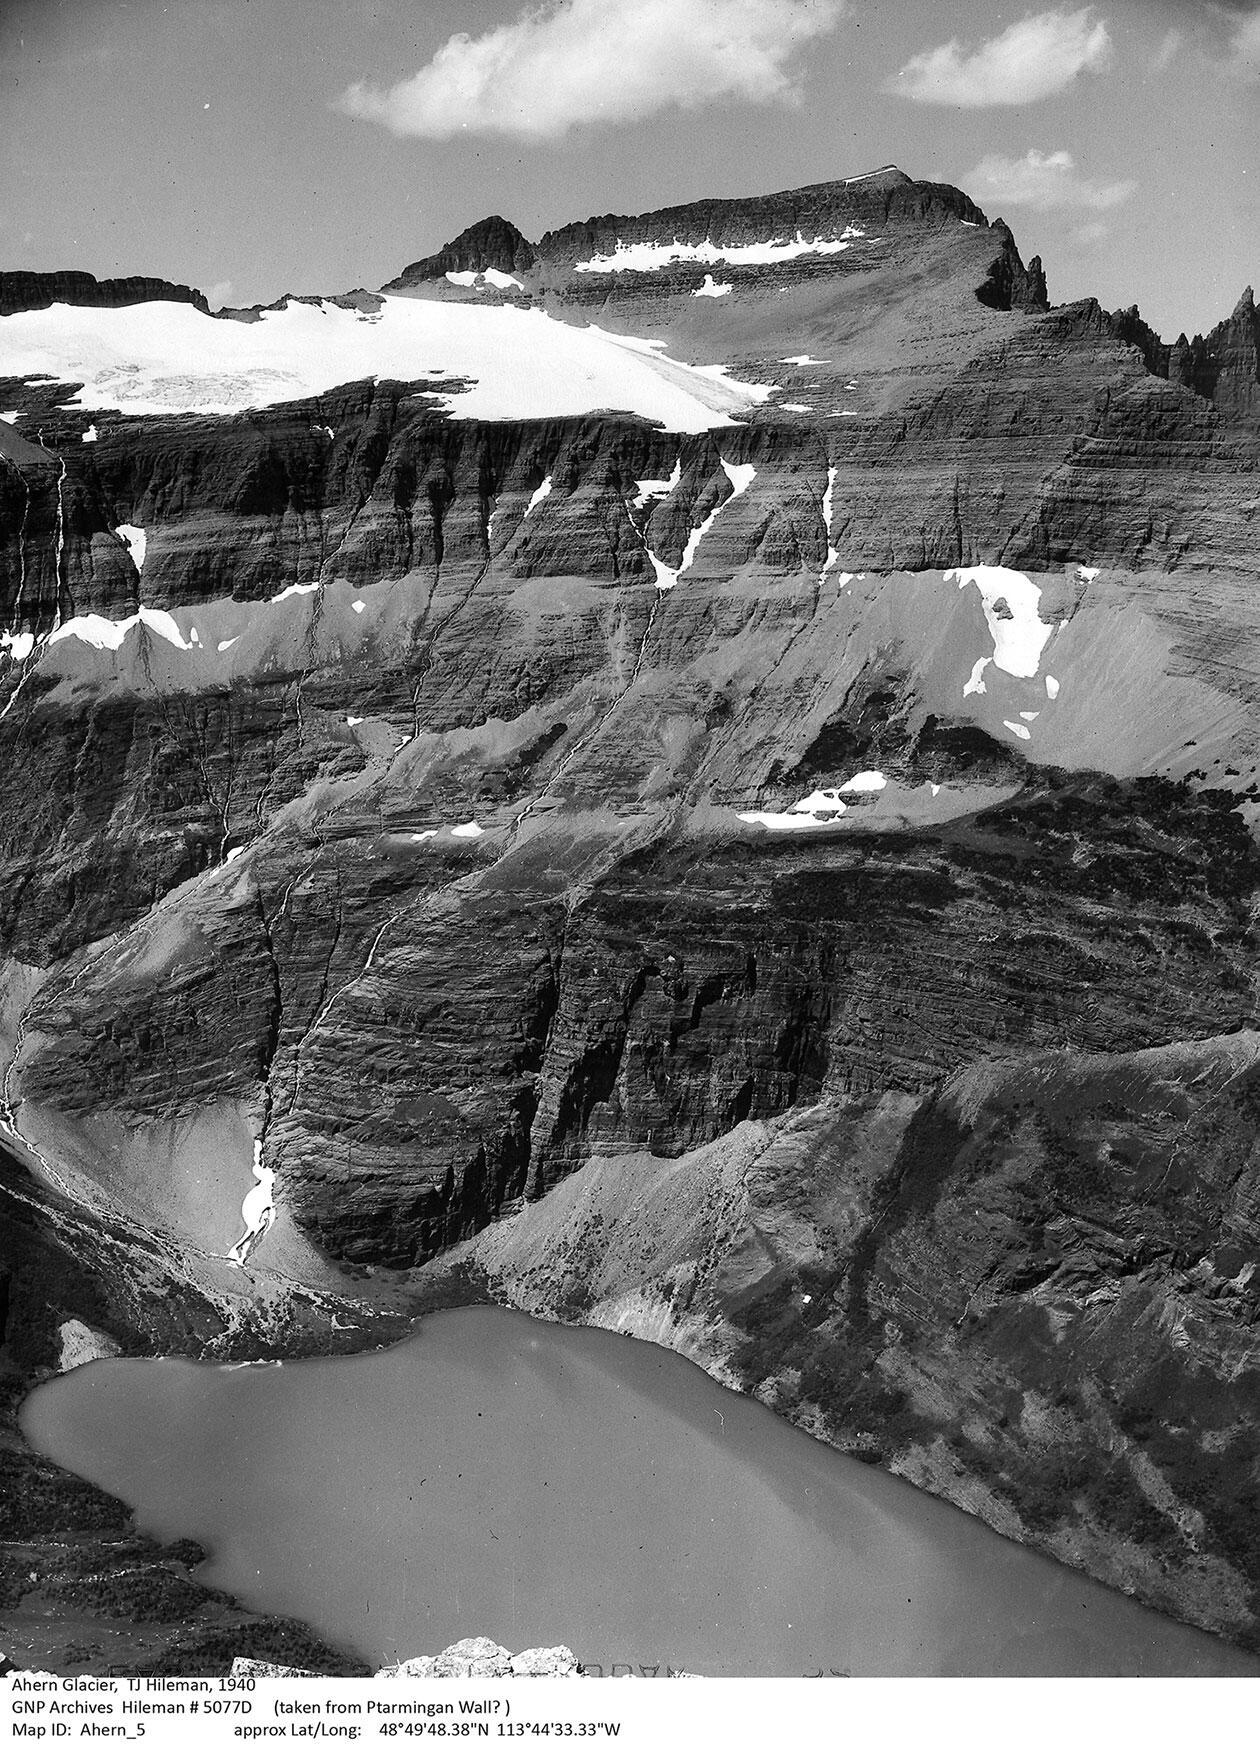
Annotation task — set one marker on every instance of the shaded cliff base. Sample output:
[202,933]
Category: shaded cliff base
[81,1590]
[1027,1295]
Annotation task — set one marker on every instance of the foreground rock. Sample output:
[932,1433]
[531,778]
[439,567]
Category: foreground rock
[480,1657]
[476,1657]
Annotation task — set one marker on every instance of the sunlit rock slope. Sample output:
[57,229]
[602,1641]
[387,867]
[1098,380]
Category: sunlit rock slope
[708,761]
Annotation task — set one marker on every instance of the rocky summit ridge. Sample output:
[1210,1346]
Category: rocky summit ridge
[751,842]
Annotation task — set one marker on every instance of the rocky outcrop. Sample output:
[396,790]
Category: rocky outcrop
[480,1657]
[21,290]
[1223,367]
[1029,1291]
[823,209]
[1009,285]
[491,243]
[475,1657]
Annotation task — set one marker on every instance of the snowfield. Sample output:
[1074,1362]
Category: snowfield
[103,634]
[650,257]
[1010,603]
[520,364]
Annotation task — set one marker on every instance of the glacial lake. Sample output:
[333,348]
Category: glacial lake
[497,1476]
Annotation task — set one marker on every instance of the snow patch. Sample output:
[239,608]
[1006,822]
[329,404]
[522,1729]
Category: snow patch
[666,575]
[357,607]
[820,802]
[234,853]
[540,492]
[90,435]
[258,1211]
[863,783]
[819,808]
[976,683]
[1019,634]
[493,276]
[828,511]
[1030,716]
[650,257]
[227,643]
[354,722]
[1017,729]
[295,589]
[418,838]
[18,644]
[1052,687]
[136,542]
[784,822]
[649,489]
[103,634]
[1087,573]
[795,407]
[741,476]
[469,830]
[803,358]
[164,624]
[711,288]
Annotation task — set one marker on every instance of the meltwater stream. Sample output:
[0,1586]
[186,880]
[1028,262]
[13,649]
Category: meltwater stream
[537,1484]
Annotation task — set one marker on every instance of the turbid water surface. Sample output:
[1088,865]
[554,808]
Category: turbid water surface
[538,1484]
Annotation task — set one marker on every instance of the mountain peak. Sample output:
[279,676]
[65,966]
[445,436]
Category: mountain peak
[492,243]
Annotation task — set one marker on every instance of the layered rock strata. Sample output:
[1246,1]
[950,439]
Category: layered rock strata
[785,889]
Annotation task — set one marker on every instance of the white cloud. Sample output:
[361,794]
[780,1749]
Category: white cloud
[1246,46]
[1030,60]
[1167,51]
[570,62]
[1045,181]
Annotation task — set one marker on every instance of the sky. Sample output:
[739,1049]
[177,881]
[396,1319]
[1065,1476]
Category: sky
[257,147]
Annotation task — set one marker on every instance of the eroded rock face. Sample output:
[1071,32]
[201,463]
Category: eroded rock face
[509,823]
[491,243]
[1030,1291]
[20,290]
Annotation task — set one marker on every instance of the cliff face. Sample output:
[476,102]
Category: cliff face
[501,823]
[1223,367]
[491,243]
[36,291]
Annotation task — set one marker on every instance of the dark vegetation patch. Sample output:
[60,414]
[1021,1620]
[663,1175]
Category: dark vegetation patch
[209,1651]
